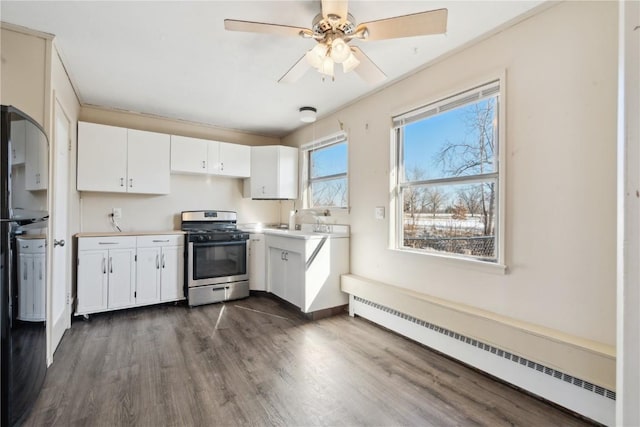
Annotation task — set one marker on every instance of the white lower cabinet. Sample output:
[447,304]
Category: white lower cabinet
[160,269]
[306,272]
[31,279]
[127,271]
[257,262]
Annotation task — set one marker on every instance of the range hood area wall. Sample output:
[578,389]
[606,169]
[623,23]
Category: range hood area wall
[188,192]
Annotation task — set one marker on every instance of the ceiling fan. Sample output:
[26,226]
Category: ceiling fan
[334,28]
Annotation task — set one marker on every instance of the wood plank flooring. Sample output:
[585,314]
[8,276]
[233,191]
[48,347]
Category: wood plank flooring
[258,362]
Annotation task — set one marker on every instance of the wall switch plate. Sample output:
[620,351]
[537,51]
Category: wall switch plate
[117,213]
[379,212]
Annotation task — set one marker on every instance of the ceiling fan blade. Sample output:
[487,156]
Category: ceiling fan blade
[417,24]
[335,7]
[367,70]
[296,71]
[260,27]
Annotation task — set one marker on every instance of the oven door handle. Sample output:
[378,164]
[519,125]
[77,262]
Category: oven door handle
[227,243]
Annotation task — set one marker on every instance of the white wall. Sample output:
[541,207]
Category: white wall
[188,192]
[560,173]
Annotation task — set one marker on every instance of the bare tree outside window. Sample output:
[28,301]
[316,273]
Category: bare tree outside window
[449,188]
[327,177]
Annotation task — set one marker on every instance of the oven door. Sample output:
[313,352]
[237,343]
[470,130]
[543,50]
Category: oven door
[216,262]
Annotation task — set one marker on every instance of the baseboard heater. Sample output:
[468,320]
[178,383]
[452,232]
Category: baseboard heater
[578,395]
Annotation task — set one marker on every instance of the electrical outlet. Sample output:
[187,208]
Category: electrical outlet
[117,213]
[379,212]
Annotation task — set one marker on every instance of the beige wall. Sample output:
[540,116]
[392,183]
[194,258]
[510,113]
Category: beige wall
[188,192]
[23,70]
[560,173]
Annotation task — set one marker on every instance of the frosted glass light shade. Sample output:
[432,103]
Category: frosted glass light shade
[350,63]
[339,51]
[316,56]
[326,67]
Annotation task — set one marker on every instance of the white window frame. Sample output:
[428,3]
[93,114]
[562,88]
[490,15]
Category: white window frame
[482,90]
[306,150]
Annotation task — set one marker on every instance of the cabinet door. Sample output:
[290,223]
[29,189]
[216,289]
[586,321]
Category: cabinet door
[92,281]
[25,287]
[287,173]
[39,289]
[121,278]
[172,273]
[263,172]
[235,160]
[102,158]
[277,272]
[36,159]
[257,263]
[18,137]
[148,164]
[147,276]
[213,157]
[294,279]
[188,155]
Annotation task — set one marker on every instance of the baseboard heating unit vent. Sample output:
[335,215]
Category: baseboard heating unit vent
[578,395]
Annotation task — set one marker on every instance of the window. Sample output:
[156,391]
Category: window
[448,176]
[325,173]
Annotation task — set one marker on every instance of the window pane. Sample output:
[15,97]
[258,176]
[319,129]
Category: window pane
[331,160]
[328,193]
[457,219]
[458,142]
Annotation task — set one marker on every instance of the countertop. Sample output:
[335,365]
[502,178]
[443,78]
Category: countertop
[127,233]
[31,236]
[334,232]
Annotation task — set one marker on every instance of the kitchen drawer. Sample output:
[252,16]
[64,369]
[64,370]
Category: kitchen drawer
[160,240]
[102,243]
[31,246]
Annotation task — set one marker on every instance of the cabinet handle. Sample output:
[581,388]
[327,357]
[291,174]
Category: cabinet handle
[130,182]
[221,166]
[40,276]
[104,266]
[157,262]
[24,273]
[204,164]
[121,182]
[162,260]
[110,265]
[263,189]
[13,153]
[286,256]
[161,241]
[107,243]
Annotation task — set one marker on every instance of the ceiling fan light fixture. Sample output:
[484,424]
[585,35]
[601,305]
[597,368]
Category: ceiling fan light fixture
[350,63]
[308,114]
[326,67]
[339,50]
[316,56]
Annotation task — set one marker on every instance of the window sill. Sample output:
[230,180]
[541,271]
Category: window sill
[461,262]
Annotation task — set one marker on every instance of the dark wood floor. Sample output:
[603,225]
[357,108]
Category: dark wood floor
[257,362]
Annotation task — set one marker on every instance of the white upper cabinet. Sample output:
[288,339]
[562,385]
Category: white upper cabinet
[121,160]
[274,172]
[148,162]
[18,137]
[235,160]
[201,156]
[188,155]
[36,159]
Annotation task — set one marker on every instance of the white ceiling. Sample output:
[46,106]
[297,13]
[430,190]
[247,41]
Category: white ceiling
[175,60]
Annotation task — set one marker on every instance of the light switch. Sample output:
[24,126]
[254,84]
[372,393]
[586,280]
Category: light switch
[379,212]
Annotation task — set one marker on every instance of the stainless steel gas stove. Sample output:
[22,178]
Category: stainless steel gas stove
[216,257]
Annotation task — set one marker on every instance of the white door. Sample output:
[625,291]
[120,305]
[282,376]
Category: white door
[60,283]
[277,272]
[121,272]
[148,162]
[172,276]
[148,276]
[92,281]
[188,155]
[235,160]
[294,279]
[102,158]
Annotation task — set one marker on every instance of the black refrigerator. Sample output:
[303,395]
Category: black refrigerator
[23,214]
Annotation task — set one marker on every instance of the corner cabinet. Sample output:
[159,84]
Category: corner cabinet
[257,262]
[205,157]
[306,271]
[118,272]
[274,172]
[120,160]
